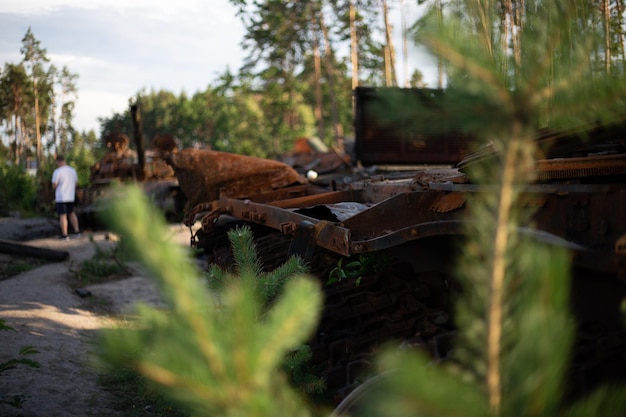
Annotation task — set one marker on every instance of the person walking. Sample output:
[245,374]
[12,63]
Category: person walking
[64,180]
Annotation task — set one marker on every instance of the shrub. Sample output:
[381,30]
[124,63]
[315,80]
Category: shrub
[18,190]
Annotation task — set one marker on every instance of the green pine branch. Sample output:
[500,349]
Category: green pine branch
[217,358]
[247,263]
[269,285]
[513,316]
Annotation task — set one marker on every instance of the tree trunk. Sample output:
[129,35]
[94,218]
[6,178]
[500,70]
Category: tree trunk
[390,55]
[388,80]
[504,34]
[14,248]
[56,135]
[405,47]
[620,14]
[607,36]
[318,79]
[16,140]
[37,123]
[330,62]
[439,7]
[25,141]
[354,55]
[135,111]
[517,18]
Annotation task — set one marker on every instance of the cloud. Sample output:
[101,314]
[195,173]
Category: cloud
[94,104]
[158,9]
[119,48]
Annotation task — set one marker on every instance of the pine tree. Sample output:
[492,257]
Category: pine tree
[216,357]
[269,285]
[516,332]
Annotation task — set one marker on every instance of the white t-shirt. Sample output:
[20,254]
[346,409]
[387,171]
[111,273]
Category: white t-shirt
[66,179]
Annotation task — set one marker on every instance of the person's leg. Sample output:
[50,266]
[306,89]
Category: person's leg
[73,218]
[62,212]
[63,224]
[74,222]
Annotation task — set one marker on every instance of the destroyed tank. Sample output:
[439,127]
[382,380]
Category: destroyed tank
[146,167]
[399,231]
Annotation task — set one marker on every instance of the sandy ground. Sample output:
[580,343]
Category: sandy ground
[43,307]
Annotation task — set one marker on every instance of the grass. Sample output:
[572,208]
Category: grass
[134,395]
[105,265]
[13,266]
[98,270]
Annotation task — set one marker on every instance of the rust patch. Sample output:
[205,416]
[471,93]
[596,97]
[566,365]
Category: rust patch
[448,202]
[206,175]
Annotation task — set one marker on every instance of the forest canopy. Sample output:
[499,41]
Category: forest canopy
[303,61]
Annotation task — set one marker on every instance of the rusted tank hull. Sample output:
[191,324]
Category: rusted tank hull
[207,175]
[418,220]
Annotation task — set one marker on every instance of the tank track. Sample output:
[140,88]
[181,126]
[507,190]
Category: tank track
[392,306]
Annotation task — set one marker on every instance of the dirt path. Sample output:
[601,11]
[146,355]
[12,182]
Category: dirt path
[48,314]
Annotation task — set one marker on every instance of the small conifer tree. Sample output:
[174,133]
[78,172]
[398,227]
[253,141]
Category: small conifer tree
[215,357]
[269,285]
[513,317]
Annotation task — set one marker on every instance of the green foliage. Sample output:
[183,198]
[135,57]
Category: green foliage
[217,358]
[18,191]
[45,191]
[29,87]
[16,267]
[106,263]
[516,332]
[294,365]
[100,268]
[82,157]
[269,285]
[41,75]
[16,400]
[134,396]
[247,263]
[535,344]
[364,264]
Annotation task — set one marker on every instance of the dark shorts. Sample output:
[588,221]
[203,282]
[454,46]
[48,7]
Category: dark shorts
[65,208]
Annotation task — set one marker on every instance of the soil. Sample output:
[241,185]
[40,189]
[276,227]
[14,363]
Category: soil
[57,314]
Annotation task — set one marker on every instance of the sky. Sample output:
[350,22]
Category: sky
[119,47]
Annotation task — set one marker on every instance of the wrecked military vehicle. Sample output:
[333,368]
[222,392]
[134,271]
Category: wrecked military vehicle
[121,164]
[399,230]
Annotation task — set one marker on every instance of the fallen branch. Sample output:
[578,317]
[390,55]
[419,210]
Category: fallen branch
[13,248]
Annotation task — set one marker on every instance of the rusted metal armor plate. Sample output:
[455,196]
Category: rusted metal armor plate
[206,175]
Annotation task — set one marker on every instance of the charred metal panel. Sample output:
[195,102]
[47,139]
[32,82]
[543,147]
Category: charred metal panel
[398,212]
[324,233]
[207,175]
[406,126]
